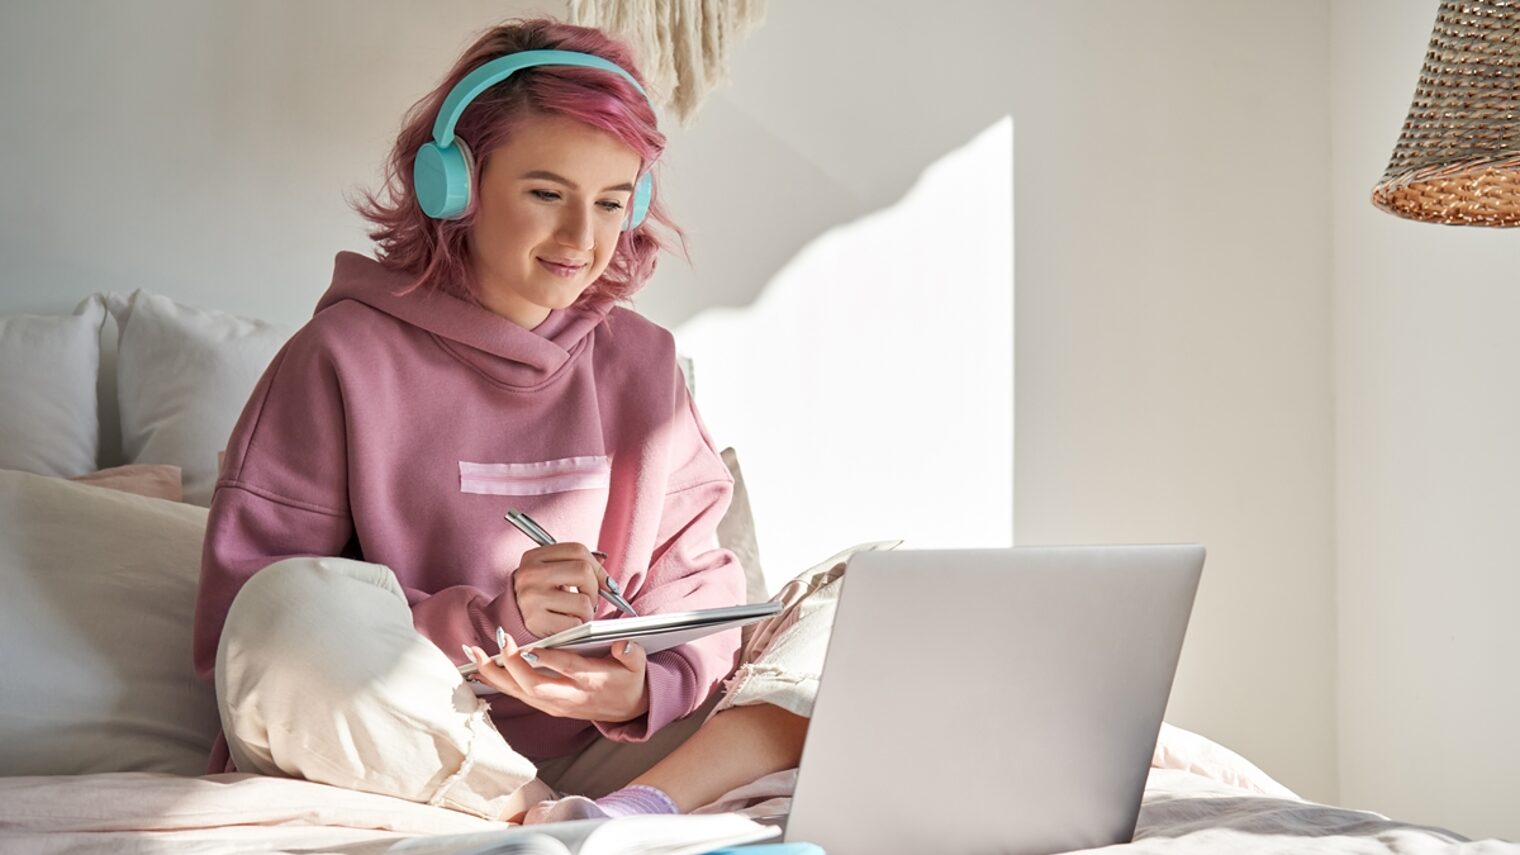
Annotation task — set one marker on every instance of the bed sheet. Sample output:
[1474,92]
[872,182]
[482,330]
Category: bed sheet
[1200,798]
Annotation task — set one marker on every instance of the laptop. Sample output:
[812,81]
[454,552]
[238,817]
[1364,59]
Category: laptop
[992,700]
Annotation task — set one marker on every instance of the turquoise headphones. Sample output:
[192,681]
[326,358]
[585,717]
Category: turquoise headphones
[443,172]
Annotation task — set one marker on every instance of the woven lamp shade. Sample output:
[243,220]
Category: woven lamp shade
[1458,158]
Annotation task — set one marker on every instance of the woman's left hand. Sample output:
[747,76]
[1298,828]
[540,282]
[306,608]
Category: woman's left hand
[608,689]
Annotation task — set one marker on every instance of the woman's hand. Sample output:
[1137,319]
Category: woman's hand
[556,587]
[610,689]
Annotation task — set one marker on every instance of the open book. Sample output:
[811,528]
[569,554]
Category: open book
[631,835]
[653,632]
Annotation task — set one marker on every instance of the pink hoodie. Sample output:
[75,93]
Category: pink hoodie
[398,430]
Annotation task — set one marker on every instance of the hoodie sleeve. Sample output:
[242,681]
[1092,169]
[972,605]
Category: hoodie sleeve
[688,570]
[283,493]
[463,615]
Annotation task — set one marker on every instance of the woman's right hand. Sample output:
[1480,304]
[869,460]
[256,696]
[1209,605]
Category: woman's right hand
[556,587]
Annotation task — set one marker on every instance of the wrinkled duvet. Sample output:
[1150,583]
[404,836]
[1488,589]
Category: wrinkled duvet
[1200,798]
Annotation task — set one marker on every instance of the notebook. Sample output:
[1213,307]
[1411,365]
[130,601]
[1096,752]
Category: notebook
[633,835]
[653,632]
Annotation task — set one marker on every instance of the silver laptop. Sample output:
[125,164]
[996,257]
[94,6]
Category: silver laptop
[992,701]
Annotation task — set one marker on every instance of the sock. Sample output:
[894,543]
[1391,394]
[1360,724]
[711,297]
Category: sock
[638,798]
[629,801]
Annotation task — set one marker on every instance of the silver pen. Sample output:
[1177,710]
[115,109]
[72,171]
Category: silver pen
[536,533]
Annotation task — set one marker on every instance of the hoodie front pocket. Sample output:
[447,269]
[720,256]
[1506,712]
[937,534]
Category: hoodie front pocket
[535,479]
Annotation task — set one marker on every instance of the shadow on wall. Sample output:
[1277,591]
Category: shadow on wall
[816,131]
[869,389]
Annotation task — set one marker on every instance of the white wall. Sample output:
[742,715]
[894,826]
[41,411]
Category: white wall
[202,150]
[1173,340]
[1173,335]
[1172,255]
[1428,466]
[870,387]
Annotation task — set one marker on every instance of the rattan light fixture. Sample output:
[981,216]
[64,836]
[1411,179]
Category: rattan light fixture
[1457,160]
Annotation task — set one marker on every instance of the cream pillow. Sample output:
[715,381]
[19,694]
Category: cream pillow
[48,367]
[95,628]
[183,376]
[736,533]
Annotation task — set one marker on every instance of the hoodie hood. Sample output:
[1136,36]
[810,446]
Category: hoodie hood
[500,348]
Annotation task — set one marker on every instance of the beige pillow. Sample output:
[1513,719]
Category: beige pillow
[736,532]
[95,631]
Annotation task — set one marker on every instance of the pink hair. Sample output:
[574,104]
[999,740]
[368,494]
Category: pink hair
[436,252]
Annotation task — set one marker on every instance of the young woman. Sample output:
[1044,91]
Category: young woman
[356,551]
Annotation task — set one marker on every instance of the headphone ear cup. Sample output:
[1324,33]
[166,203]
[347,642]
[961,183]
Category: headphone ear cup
[643,193]
[442,177]
[469,170]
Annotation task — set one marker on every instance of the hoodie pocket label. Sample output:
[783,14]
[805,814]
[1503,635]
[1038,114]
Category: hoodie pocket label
[535,479]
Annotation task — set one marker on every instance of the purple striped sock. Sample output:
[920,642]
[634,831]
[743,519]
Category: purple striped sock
[637,799]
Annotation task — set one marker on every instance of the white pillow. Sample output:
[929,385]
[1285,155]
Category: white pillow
[95,629]
[49,423]
[182,377]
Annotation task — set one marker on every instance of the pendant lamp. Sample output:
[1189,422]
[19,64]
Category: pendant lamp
[1457,160]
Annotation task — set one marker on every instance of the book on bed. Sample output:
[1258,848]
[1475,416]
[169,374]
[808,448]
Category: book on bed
[632,835]
[654,632]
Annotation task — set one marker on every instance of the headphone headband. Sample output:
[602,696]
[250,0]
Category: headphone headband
[500,69]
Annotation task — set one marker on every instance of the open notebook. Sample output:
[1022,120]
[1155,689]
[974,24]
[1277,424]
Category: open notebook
[653,632]
[633,835]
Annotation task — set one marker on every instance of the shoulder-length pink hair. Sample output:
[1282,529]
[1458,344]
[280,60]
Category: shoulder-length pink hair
[436,252]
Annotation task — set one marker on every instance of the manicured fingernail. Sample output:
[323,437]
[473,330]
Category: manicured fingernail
[501,638]
[530,657]
[468,653]
[614,587]
[600,556]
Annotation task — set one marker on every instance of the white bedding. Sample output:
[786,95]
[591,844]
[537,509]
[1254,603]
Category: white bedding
[1188,813]
[1202,799]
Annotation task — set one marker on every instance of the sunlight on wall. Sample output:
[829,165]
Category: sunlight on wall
[869,391]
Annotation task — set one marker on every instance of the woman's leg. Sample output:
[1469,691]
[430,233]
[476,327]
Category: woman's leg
[759,722]
[733,748]
[321,675]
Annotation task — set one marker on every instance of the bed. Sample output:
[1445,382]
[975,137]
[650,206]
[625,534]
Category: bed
[112,419]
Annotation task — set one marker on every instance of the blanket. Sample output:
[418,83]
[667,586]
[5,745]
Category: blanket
[1199,798]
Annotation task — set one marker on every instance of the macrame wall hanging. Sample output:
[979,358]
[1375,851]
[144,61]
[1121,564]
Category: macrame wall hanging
[682,46]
